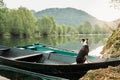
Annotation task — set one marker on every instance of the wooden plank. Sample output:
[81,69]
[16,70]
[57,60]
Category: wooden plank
[4,48]
[26,56]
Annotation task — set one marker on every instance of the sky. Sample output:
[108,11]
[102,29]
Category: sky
[98,8]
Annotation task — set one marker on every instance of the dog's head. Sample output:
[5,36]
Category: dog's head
[85,41]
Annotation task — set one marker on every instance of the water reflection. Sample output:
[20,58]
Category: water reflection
[67,42]
[26,41]
[75,42]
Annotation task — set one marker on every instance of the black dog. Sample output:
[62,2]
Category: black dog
[81,58]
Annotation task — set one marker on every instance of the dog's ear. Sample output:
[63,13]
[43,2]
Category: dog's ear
[83,40]
[87,40]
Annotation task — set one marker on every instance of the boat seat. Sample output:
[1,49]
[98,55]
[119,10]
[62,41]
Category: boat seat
[26,56]
[4,50]
[48,51]
[65,58]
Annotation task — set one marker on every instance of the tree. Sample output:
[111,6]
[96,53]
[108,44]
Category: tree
[81,29]
[88,27]
[46,25]
[28,21]
[64,29]
[54,28]
[59,30]
[73,30]
[21,22]
[14,23]
[96,29]
[3,21]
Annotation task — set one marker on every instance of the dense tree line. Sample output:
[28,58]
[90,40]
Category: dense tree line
[22,23]
[87,28]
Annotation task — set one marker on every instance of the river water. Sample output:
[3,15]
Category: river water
[72,43]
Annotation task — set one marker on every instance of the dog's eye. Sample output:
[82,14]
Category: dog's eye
[83,40]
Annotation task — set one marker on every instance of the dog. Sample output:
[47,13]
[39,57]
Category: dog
[81,57]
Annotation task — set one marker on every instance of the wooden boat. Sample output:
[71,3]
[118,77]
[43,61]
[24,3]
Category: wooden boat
[7,70]
[51,63]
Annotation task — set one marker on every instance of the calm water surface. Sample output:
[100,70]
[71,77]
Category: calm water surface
[64,42]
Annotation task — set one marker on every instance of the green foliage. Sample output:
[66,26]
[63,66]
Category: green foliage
[87,28]
[18,23]
[28,21]
[97,29]
[15,27]
[64,29]
[73,31]
[46,25]
[59,30]
[22,22]
[3,21]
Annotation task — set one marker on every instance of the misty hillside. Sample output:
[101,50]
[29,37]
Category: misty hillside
[68,16]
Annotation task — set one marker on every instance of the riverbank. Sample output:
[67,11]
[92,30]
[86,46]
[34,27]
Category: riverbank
[110,73]
[3,78]
[96,52]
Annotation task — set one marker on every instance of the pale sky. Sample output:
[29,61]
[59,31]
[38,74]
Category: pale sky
[98,8]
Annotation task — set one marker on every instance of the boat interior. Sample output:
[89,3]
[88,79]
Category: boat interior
[47,57]
[43,48]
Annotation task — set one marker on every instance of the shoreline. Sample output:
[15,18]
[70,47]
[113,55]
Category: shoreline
[96,52]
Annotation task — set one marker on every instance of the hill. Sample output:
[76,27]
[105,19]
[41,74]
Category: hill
[68,16]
